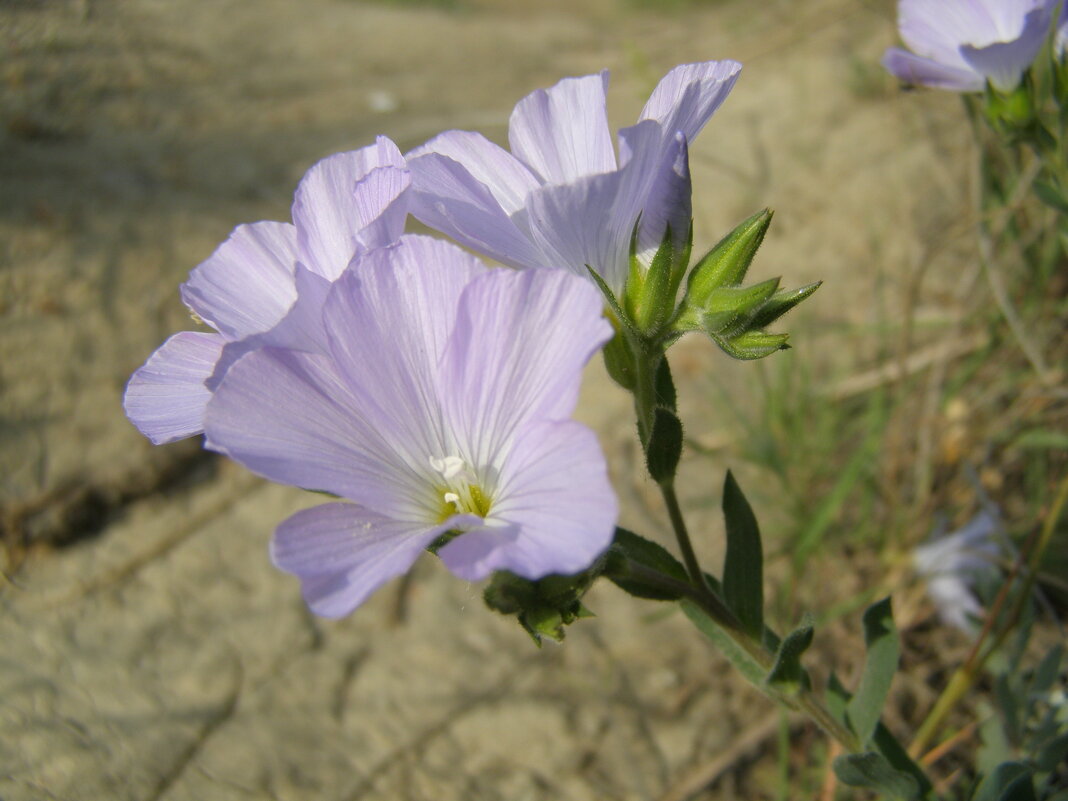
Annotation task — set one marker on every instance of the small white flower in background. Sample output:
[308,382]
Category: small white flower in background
[955,564]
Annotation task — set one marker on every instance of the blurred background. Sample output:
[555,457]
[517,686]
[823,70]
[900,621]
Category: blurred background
[151,651]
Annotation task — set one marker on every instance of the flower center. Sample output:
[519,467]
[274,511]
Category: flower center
[459,490]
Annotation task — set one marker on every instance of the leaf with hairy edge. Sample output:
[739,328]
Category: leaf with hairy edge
[871,770]
[788,676]
[665,446]
[665,386]
[628,547]
[746,664]
[883,652]
[743,567]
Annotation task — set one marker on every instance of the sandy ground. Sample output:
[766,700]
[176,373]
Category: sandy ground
[150,650]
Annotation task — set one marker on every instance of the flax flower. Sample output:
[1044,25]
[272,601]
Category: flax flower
[561,198]
[439,411]
[248,289]
[961,44]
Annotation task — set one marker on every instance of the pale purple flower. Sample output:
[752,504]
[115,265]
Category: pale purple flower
[561,198]
[961,44]
[953,565]
[264,285]
[440,406]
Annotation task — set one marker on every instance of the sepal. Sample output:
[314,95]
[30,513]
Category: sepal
[727,263]
[651,292]
[543,607]
[752,344]
[730,310]
[780,303]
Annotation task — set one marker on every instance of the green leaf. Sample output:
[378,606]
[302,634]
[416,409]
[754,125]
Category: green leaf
[788,676]
[743,566]
[1051,196]
[629,547]
[742,661]
[1053,753]
[752,344]
[1009,781]
[1047,672]
[728,262]
[1036,439]
[872,771]
[899,759]
[780,303]
[838,700]
[665,446]
[883,652]
[729,309]
[665,386]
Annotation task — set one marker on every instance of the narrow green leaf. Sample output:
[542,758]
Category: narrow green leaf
[1053,753]
[838,700]
[665,446]
[899,759]
[997,782]
[630,547]
[1051,196]
[752,345]
[743,566]
[780,303]
[1047,672]
[665,386]
[727,263]
[872,771]
[883,652]
[742,661]
[1040,439]
[788,676]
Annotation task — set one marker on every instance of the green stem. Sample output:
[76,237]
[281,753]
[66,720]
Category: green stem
[645,389]
[678,524]
[804,702]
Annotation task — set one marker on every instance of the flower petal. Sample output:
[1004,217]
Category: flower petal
[562,133]
[917,70]
[290,417]
[586,222]
[556,511]
[1004,62]
[387,321]
[301,329]
[342,553]
[657,178]
[517,352]
[246,285]
[448,198]
[165,399]
[381,207]
[327,211]
[937,30]
[507,178]
[688,96]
